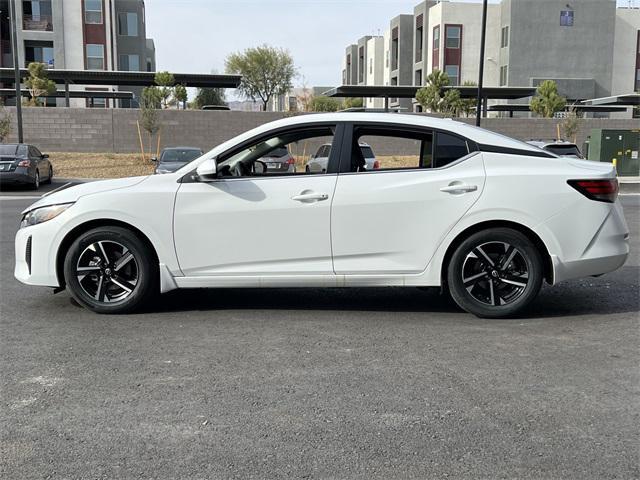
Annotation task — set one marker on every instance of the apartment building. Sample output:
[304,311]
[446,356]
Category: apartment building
[294,100]
[80,35]
[590,48]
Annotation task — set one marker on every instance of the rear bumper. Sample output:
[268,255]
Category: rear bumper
[603,251]
[16,177]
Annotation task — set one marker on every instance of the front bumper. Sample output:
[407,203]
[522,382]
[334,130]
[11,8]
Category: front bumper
[35,256]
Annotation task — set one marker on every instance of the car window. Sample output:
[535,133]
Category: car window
[36,152]
[448,149]
[32,152]
[388,148]
[288,153]
[23,151]
[180,155]
[8,150]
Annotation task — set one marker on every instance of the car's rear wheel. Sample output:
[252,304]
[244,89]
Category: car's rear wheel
[36,181]
[495,273]
[110,270]
[49,176]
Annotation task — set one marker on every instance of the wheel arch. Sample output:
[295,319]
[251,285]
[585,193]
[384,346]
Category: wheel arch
[78,230]
[530,234]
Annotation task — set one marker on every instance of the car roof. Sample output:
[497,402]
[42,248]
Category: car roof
[182,148]
[550,143]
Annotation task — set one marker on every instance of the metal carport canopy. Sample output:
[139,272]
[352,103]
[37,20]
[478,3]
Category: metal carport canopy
[114,78]
[402,91]
[628,99]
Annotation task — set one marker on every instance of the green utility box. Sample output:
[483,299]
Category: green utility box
[621,145]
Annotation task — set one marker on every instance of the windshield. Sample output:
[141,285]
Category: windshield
[180,155]
[278,152]
[564,150]
[8,149]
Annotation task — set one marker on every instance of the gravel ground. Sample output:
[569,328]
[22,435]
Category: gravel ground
[320,383]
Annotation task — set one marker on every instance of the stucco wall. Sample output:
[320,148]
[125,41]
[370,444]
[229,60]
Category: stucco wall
[115,130]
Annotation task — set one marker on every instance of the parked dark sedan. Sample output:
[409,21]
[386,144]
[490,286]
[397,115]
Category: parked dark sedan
[173,158]
[22,164]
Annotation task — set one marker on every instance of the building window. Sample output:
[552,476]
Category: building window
[95,56]
[453,72]
[97,102]
[453,34]
[92,11]
[394,49]
[371,66]
[37,15]
[504,40]
[418,79]
[419,37]
[503,75]
[435,60]
[41,52]
[130,63]
[128,24]
[386,58]
[361,65]
[349,69]
[566,18]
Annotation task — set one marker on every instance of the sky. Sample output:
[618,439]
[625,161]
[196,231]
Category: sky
[195,36]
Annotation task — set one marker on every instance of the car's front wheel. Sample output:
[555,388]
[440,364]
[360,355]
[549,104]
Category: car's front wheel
[110,270]
[495,273]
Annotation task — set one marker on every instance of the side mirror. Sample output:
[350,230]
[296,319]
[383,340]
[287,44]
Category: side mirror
[259,167]
[45,155]
[207,170]
[154,159]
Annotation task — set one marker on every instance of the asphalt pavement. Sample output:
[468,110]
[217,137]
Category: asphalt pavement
[320,383]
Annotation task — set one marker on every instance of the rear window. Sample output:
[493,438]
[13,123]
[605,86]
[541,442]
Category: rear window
[8,149]
[564,150]
[367,152]
[181,156]
[278,152]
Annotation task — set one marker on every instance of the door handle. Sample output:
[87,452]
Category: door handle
[307,197]
[459,188]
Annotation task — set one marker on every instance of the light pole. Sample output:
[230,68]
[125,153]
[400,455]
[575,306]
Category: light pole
[481,66]
[16,67]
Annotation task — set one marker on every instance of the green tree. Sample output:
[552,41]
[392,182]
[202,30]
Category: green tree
[165,82]
[5,124]
[468,105]
[430,96]
[547,100]
[38,82]
[266,72]
[150,102]
[180,94]
[209,96]
[571,124]
[452,103]
[324,104]
[353,102]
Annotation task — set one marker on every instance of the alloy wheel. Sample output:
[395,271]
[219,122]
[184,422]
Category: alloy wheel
[107,271]
[495,273]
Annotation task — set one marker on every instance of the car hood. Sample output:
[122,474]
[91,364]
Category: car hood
[72,194]
[171,166]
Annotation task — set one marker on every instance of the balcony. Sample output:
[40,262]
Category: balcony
[43,23]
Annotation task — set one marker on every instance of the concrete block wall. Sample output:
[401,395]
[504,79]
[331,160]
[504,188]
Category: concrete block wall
[115,130]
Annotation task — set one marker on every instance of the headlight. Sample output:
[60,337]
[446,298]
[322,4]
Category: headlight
[43,214]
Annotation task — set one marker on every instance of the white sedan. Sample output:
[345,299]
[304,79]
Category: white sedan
[483,216]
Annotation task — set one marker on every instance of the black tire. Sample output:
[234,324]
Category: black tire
[114,282]
[495,273]
[50,177]
[36,181]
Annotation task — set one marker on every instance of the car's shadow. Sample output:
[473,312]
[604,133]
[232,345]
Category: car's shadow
[583,297]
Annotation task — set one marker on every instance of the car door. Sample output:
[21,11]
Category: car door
[41,163]
[276,224]
[391,220]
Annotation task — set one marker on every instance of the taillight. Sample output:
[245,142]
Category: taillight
[605,190]
[376,164]
[291,161]
[24,163]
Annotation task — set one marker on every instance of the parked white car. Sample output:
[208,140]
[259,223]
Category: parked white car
[482,215]
[319,160]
